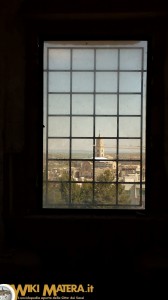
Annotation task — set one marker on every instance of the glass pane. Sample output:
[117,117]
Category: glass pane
[129,149]
[105,193]
[59,59]
[130,59]
[59,82]
[82,148]
[130,82]
[83,59]
[124,193]
[106,82]
[57,195]
[82,194]
[82,82]
[129,171]
[59,104]
[82,126]
[106,126]
[129,127]
[106,104]
[106,59]
[82,171]
[139,192]
[58,126]
[105,171]
[82,104]
[58,148]
[105,148]
[58,170]
[110,147]
[130,104]
[129,194]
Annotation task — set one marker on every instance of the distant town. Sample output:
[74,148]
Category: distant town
[130,173]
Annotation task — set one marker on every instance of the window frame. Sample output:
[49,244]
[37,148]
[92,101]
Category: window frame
[142,70]
[64,28]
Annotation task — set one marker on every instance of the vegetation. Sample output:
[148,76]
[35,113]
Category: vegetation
[104,190]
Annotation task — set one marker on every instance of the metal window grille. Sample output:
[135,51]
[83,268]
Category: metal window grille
[94,115]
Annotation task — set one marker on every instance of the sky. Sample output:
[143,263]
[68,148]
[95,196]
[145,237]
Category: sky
[68,77]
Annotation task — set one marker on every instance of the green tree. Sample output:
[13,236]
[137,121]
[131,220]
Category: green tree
[106,176]
[104,190]
[86,193]
[75,193]
[64,187]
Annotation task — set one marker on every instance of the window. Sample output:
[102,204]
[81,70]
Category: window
[94,116]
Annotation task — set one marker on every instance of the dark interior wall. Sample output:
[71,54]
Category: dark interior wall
[11,95]
[83,245]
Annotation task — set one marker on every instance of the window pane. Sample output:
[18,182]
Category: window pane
[59,82]
[83,59]
[82,170]
[106,82]
[129,127]
[105,193]
[129,149]
[129,171]
[58,170]
[130,59]
[81,194]
[59,104]
[59,59]
[130,104]
[58,148]
[110,146]
[106,104]
[53,170]
[57,195]
[82,126]
[106,126]
[129,194]
[105,148]
[105,171]
[130,82]
[82,148]
[106,59]
[82,104]
[82,82]
[125,192]
[58,126]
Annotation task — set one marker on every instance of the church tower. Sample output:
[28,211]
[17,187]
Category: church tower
[99,147]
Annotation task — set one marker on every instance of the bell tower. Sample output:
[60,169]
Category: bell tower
[99,147]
